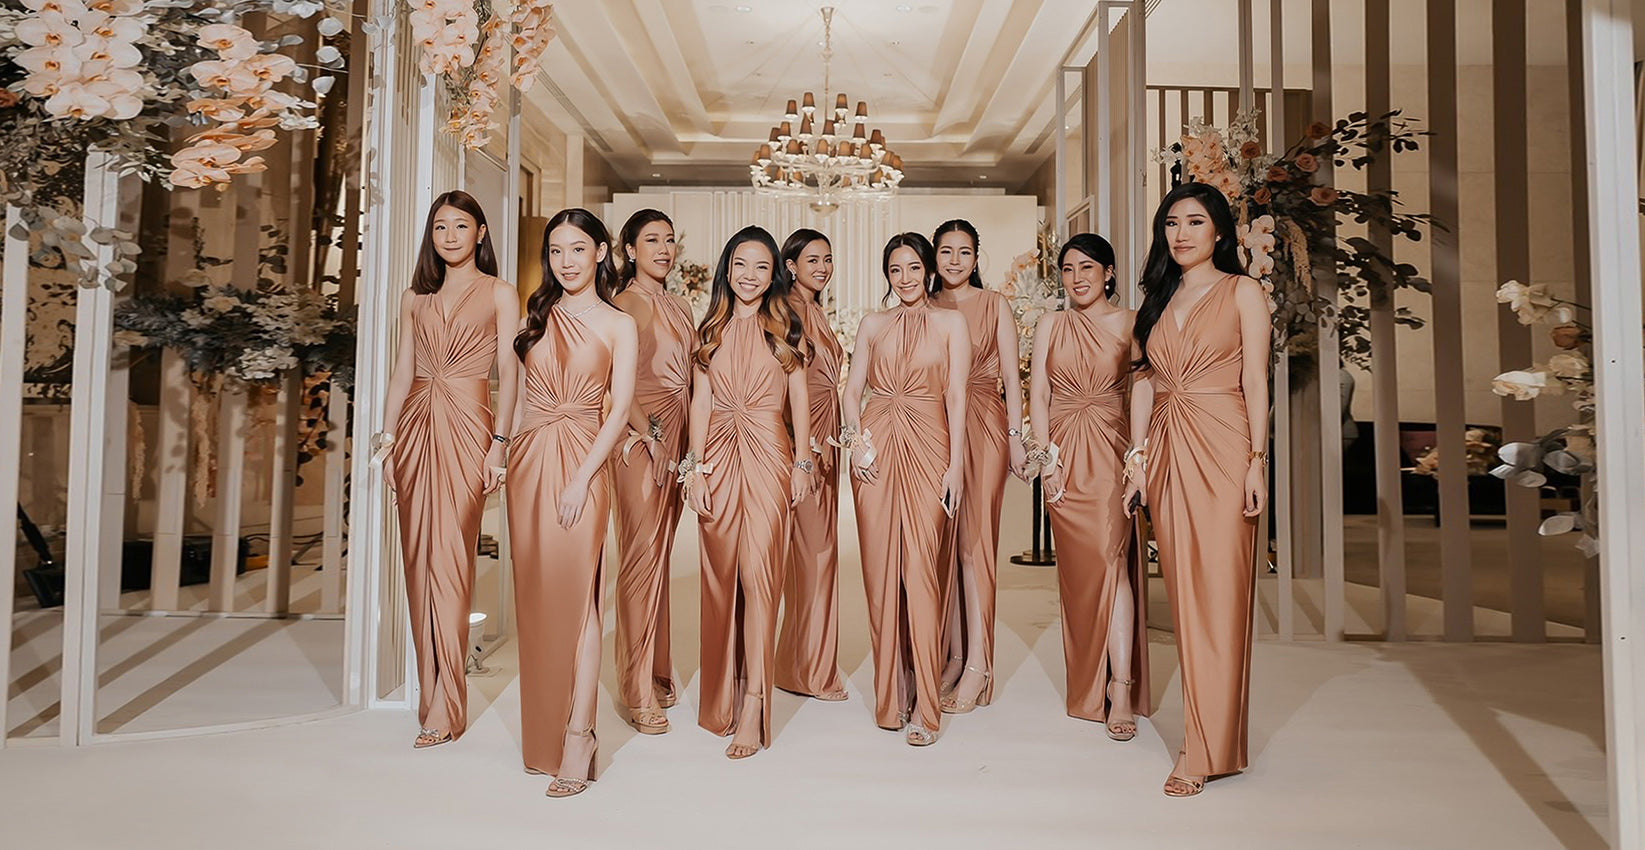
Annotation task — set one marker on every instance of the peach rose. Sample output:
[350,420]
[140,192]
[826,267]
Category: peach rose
[1278,174]
[1324,195]
[1319,130]
[1568,336]
[1262,195]
[1250,150]
[1307,163]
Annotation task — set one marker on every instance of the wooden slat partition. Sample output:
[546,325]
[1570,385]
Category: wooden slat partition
[14,302]
[1282,472]
[1384,353]
[1329,377]
[1511,166]
[1581,262]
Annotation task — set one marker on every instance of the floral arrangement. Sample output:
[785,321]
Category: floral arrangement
[116,76]
[468,43]
[1288,222]
[1480,446]
[1033,286]
[690,280]
[1568,450]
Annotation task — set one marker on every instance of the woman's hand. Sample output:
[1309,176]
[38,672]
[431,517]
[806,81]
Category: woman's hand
[1256,489]
[953,481]
[493,475]
[572,500]
[866,473]
[1019,458]
[388,475]
[825,458]
[1136,488]
[696,493]
[1053,484]
[800,485]
[660,472]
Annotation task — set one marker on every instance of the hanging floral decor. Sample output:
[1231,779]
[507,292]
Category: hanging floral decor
[1033,285]
[1568,450]
[467,43]
[1288,223]
[690,280]
[116,76]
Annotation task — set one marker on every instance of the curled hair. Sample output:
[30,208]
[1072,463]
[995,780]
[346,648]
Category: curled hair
[781,325]
[1161,276]
[430,273]
[960,225]
[548,293]
[928,258]
[631,235]
[795,245]
[1100,252]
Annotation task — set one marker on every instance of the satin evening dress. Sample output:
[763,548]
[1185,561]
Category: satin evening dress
[808,647]
[745,535]
[987,462]
[900,520]
[1089,368]
[1198,453]
[440,444]
[647,515]
[557,571]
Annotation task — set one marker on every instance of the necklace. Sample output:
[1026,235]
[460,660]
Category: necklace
[579,313]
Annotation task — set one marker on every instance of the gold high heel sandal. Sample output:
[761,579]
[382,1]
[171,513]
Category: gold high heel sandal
[666,694]
[563,787]
[648,721]
[1117,728]
[736,751]
[430,738]
[951,705]
[1182,786]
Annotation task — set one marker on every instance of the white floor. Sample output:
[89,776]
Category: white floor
[1363,745]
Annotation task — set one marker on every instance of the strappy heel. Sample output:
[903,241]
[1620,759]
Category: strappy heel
[1117,728]
[667,696]
[1182,786]
[919,736]
[648,720]
[736,751]
[951,705]
[430,738]
[563,787]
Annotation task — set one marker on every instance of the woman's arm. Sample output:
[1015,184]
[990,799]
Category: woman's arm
[702,406]
[1142,410]
[620,337]
[851,405]
[799,410]
[638,308]
[399,383]
[959,368]
[507,302]
[1255,331]
[1039,405]
[1011,378]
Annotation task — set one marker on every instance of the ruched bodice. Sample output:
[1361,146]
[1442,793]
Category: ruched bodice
[662,381]
[1089,368]
[567,375]
[458,346]
[822,374]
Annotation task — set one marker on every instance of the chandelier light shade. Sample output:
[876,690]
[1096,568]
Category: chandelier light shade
[820,164]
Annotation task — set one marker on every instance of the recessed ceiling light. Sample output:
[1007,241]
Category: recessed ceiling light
[904,7]
[655,174]
[982,177]
[745,8]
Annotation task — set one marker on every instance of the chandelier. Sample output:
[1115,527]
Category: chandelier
[822,164]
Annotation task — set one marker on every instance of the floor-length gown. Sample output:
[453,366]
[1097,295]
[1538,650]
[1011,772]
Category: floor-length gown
[987,458]
[557,571]
[745,535]
[1089,367]
[900,520]
[808,647]
[1198,447]
[647,514]
[441,440]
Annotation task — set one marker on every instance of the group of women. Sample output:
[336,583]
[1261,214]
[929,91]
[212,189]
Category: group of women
[612,402]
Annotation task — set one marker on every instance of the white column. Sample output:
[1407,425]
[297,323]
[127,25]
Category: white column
[14,302]
[1614,244]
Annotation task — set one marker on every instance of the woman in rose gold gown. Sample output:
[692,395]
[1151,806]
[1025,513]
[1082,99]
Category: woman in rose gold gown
[906,447]
[743,477]
[444,459]
[808,646]
[577,350]
[1199,430]
[647,494]
[1082,365]
[993,447]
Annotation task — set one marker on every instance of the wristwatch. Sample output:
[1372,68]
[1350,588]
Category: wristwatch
[1013,432]
[805,466]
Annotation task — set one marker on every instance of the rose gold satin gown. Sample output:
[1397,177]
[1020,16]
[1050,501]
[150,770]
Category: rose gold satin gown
[1198,445]
[987,461]
[647,515]
[808,648]
[557,571]
[745,536]
[900,520]
[441,440]
[1089,368]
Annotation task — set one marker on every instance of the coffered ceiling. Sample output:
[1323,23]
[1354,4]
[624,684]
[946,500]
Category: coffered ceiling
[683,91]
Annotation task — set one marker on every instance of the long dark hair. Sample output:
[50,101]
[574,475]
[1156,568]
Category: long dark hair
[783,329]
[430,273]
[928,258]
[795,244]
[1161,276]
[1098,249]
[549,291]
[960,225]
[631,235]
